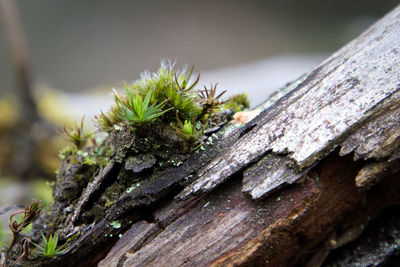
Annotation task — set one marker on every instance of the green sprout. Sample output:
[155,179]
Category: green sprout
[138,111]
[49,248]
[189,130]
[89,161]
[77,136]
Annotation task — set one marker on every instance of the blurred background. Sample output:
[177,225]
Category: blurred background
[75,45]
[79,50]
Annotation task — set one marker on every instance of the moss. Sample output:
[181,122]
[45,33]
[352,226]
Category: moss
[163,98]
[238,102]
[77,135]
[156,125]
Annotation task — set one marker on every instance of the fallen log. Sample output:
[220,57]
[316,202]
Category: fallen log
[303,178]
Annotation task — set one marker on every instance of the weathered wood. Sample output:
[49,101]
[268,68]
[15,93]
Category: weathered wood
[91,189]
[350,103]
[140,233]
[354,84]
[379,242]
[283,189]
[215,225]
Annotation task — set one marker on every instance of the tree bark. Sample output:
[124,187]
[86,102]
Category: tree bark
[303,178]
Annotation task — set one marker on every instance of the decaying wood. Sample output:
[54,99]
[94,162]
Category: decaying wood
[338,129]
[91,189]
[339,96]
[303,178]
[380,239]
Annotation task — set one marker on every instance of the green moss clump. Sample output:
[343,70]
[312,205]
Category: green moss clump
[159,120]
[86,150]
[238,103]
[163,98]
[160,95]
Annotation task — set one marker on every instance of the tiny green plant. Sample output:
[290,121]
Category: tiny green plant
[189,130]
[238,102]
[77,136]
[115,224]
[138,111]
[171,87]
[50,248]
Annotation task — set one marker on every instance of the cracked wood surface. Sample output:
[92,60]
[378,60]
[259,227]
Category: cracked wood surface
[342,93]
[91,189]
[313,139]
